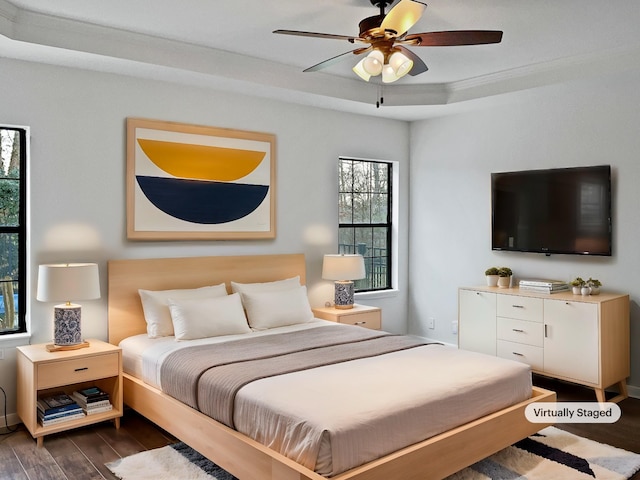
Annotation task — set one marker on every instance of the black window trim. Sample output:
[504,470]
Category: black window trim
[21,230]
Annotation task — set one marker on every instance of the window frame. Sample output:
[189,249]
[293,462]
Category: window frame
[390,224]
[21,231]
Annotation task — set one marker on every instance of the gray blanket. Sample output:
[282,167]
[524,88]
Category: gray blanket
[207,377]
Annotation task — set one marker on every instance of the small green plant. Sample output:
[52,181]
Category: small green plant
[577,282]
[491,271]
[504,272]
[594,282]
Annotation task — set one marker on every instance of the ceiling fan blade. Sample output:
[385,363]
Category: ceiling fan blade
[403,16]
[336,59]
[316,35]
[454,38]
[418,65]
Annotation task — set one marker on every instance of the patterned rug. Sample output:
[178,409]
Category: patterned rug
[550,454]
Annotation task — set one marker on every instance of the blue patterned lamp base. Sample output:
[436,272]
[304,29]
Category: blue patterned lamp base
[344,294]
[66,325]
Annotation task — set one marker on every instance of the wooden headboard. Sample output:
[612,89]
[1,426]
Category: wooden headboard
[127,276]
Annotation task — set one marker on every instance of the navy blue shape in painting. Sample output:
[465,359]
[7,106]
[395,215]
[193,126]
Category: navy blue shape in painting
[200,201]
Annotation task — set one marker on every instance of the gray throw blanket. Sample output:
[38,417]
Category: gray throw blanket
[207,377]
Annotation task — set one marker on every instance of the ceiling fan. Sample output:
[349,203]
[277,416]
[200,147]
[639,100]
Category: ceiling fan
[385,38]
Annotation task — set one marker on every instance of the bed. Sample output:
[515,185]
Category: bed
[246,458]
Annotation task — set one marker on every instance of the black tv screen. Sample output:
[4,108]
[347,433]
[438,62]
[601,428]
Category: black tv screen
[559,211]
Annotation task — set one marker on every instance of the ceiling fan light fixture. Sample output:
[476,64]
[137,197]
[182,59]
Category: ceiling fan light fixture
[373,63]
[360,71]
[400,63]
[388,74]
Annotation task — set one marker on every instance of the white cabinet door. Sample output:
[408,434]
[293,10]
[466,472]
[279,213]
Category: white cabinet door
[477,321]
[571,347]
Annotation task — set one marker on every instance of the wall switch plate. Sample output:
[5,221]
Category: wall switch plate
[432,323]
[1,354]
[454,327]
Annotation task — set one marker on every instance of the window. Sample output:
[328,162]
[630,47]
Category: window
[13,214]
[365,215]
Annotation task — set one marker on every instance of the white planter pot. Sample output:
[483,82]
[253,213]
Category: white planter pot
[585,291]
[576,290]
[492,280]
[595,290]
[504,282]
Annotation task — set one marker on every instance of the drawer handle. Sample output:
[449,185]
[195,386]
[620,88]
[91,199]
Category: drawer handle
[518,354]
[517,306]
[517,330]
[81,369]
[359,323]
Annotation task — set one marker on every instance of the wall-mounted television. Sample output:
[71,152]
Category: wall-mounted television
[553,211]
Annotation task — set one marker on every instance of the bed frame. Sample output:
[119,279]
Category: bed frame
[246,459]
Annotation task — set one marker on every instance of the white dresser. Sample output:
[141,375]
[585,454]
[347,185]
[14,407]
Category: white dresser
[581,339]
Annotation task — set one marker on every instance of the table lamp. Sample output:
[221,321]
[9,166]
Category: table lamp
[343,269]
[65,282]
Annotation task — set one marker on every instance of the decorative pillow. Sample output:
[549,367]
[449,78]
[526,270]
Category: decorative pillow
[286,284]
[277,309]
[208,317]
[156,306]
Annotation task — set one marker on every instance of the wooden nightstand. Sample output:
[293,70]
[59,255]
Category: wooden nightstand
[362,315]
[41,372]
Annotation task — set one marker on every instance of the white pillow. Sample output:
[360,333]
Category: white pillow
[156,306]
[285,284]
[208,317]
[277,309]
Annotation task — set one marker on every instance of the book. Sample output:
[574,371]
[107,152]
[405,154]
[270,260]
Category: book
[56,402]
[65,418]
[92,403]
[534,288]
[91,394]
[94,410]
[552,284]
[51,416]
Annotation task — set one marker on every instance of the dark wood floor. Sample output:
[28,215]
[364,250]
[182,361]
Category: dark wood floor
[81,454]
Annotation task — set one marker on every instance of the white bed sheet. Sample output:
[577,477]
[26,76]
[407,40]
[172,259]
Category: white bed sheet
[336,417]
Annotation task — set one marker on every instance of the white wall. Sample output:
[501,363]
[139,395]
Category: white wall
[589,122]
[77,170]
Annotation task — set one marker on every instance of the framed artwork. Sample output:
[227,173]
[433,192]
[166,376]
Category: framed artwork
[190,182]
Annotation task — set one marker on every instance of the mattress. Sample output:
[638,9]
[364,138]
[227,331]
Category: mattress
[336,417]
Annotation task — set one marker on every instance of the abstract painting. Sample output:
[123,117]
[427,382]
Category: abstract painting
[190,182]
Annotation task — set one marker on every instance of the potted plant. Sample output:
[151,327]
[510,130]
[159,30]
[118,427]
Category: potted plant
[576,285]
[492,276]
[504,274]
[595,285]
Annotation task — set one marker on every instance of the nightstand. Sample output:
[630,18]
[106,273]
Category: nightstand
[41,372]
[362,315]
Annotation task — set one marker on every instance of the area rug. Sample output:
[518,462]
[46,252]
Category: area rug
[550,454]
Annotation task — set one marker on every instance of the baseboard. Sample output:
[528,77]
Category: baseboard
[633,391]
[11,420]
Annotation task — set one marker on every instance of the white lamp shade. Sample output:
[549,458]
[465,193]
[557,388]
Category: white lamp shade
[343,267]
[65,282]
[360,71]
[401,64]
[373,62]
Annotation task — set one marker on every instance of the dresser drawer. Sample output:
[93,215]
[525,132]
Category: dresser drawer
[522,353]
[66,372]
[366,319]
[521,331]
[523,308]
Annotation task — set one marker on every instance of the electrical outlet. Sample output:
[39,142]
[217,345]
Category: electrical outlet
[432,323]
[454,327]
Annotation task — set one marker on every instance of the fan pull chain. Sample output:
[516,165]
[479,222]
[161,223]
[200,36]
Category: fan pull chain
[380,101]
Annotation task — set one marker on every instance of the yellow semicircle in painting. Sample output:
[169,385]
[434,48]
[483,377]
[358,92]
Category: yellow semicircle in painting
[201,162]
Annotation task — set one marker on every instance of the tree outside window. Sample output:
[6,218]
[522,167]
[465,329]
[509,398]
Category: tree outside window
[364,205]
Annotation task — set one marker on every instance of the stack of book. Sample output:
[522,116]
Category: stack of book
[93,400]
[57,407]
[544,286]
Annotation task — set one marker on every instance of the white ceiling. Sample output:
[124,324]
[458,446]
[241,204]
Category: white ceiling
[229,45]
